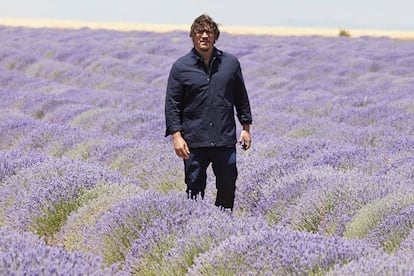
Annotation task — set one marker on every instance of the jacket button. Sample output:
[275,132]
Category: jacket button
[212,144]
[211,124]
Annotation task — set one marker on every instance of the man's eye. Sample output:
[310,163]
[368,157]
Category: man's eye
[200,32]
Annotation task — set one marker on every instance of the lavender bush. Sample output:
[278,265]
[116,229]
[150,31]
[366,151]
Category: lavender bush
[40,197]
[23,253]
[274,251]
[90,185]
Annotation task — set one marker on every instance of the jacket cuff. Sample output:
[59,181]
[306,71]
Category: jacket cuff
[170,130]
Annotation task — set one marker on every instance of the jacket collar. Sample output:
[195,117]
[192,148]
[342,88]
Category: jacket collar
[196,56]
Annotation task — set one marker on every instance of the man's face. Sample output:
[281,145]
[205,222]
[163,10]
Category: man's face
[203,39]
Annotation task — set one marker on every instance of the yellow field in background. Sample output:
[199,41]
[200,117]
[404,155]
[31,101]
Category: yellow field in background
[281,31]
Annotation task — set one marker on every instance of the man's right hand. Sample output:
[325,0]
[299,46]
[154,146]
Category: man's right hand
[180,145]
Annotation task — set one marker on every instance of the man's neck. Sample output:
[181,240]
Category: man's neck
[206,56]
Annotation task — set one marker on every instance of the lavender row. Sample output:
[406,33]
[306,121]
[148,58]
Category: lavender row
[22,253]
[35,195]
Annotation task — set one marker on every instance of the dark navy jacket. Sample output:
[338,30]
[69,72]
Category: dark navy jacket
[200,100]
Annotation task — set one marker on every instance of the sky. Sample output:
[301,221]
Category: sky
[343,14]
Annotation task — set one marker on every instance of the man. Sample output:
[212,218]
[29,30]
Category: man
[204,87]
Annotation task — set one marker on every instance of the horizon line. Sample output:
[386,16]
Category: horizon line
[232,29]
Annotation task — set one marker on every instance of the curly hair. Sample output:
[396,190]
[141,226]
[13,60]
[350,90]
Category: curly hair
[202,21]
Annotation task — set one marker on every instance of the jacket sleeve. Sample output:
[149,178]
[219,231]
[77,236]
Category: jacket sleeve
[173,103]
[242,102]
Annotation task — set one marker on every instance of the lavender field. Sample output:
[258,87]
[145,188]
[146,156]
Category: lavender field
[89,185]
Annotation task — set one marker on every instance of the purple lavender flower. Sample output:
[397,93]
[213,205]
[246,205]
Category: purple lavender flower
[11,161]
[393,229]
[278,251]
[125,222]
[169,249]
[32,198]
[24,253]
[370,215]
[407,245]
[82,144]
[77,230]
[377,264]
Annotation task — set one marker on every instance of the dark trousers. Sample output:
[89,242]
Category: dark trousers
[223,160]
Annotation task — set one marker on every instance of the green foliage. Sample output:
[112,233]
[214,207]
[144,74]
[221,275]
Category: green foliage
[95,203]
[153,262]
[302,132]
[82,150]
[394,238]
[53,219]
[118,242]
[372,214]
[166,187]
[313,219]
[393,242]
[87,118]
[345,33]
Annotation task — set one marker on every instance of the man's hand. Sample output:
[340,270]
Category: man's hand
[180,145]
[245,139]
